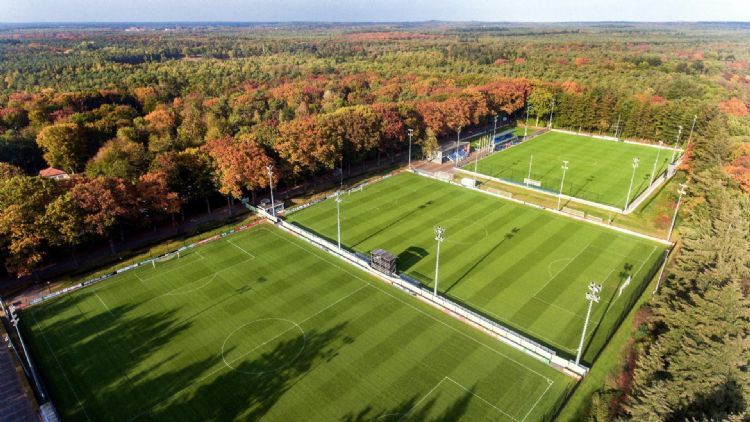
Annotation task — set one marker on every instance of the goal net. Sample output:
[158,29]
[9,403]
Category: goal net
[165,258]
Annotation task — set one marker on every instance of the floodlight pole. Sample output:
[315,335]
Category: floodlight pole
[526,128]
[562,181]
[653,172]
[531,160]
[551,113]
[439,236]
[458,141]
[617,127]
[690,137]
[476,163]
[14,320]
[270,187]
[681,192]
[411,132]
[677,142]
[636,161]
[338,217]
[592,296]
[494,128]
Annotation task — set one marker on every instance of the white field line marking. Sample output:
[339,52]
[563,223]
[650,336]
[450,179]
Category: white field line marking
[105,305]
[499,353]
[422,399]
[289,361]
[638,270]
[537,402]
[484,400]
[183,264]
[220,368]
[561,270]
[529,330]
[140,279]
[213,275]
[62,370]
[240,248]
[549,266]
[194,289]
[297,325]
[567,311]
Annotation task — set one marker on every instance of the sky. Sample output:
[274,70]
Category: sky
[19,11]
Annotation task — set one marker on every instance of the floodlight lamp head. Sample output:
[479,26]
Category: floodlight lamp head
[269,168]
[439,233]
[410,130]
[636,161]
[565,165]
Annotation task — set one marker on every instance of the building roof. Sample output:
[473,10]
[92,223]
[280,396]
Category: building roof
[51,172]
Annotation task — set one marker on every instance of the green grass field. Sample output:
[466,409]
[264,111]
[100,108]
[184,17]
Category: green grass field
[598,170]
[524,267]
[261,325]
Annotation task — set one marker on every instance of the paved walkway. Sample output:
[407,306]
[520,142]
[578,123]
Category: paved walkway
[15,404]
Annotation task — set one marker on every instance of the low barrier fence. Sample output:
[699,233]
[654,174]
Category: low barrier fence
[415,288]
[149,261]
[552,210]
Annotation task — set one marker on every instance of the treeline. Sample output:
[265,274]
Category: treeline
[137,157]
[690,357]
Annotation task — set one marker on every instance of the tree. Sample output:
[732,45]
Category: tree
[119,158]
[63,145]
[695,368]
[304,147]
[22,222]
[429,144]
[63,221]
[240,164]
[698,369]
[161,124]
[9,170]
[192,127]
[188,172]
[104,202]
[540,102]
[154,197]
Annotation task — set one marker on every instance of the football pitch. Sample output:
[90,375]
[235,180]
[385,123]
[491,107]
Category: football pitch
[598,170]
[261,325]
[526,268]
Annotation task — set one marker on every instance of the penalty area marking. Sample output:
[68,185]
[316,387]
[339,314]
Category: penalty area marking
[261,320]
[456,225]
[240,248]
[485,401]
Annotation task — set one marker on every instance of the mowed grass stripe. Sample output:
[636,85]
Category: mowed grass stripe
[599,170]
[497,255]
[131,358]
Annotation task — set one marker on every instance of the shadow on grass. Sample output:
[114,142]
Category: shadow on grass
[413,409]
[410,257]
[98,352]
[508,236]
[250,389]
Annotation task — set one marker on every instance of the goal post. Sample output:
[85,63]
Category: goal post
[166,257]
